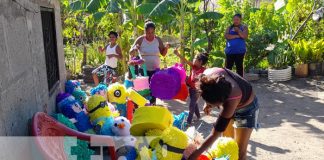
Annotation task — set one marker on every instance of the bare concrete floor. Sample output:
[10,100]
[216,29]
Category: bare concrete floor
[291,117]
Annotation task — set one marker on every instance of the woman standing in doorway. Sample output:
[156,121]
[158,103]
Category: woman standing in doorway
[150,47]
[235,49]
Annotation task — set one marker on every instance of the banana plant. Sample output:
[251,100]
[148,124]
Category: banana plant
[177,9]
[127,12]
[126,9]
[181,10]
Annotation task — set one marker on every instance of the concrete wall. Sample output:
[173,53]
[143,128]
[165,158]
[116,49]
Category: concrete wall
[23,78]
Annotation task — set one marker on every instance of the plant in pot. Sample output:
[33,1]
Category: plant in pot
[316,57]
[279,58]
[302,51]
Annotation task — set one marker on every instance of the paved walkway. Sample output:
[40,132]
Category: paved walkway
[291,116]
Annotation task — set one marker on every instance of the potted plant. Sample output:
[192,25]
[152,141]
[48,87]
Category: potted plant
[279,59]
[302,52]
[316,57]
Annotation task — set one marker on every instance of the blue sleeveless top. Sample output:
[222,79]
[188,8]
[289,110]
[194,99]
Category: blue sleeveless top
[237,45]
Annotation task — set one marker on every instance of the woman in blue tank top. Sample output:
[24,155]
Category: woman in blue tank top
[235,49]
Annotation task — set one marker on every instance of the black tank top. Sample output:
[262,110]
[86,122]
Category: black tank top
[244,85]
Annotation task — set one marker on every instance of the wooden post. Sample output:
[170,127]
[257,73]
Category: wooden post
[84,61]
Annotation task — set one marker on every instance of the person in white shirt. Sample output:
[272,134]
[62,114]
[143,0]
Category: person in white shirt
[113,53]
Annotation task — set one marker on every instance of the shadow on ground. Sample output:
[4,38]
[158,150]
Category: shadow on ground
[298,103]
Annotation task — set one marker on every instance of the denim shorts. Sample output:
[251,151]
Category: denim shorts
[247,117]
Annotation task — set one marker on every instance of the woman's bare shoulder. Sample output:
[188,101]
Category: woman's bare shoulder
[139,39]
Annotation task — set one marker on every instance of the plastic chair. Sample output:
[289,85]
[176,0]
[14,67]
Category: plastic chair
[50,137]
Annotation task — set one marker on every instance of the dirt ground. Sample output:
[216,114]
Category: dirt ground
[291,117]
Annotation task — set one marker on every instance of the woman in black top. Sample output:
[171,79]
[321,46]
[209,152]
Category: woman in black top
[232,94]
